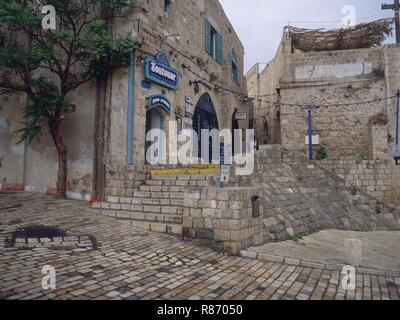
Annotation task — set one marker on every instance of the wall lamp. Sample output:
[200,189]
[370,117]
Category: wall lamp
[177,36]
[195,82]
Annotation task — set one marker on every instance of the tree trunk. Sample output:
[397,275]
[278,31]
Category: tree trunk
[62,153]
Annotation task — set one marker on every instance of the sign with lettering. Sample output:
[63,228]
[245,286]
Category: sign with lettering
[188,122]
[189,110]
[241,116]
[189,100]
[158,70]
[225,154]
[159,101]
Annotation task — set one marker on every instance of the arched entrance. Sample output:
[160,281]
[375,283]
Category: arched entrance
[266,136]
[205,117]
[159,108]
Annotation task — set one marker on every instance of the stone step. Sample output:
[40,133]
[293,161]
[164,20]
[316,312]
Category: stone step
[177,183]
[162,188]
[136,201]
[147,207]
[169,228]
[199,177]
[158,195]
[161,223]
[146,216]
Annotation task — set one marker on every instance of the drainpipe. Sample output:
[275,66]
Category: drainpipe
[310,131]
[397,125]
[131,109]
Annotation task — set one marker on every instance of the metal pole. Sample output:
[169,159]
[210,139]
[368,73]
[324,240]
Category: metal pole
[131,110]
[310,145]
[396,7]
[397,18]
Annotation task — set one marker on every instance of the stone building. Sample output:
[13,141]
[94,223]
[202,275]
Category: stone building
[188,52]
[329,77]
[308,67]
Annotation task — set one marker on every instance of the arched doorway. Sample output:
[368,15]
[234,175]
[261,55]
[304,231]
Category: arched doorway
[159,108]
[205,117]
[266,136]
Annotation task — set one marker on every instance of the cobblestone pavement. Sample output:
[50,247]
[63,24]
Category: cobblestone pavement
[101,258]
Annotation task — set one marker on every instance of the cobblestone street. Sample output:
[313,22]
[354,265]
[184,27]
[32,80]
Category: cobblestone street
[102,258]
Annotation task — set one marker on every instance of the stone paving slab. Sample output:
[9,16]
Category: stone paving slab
[132,264]
[380,251]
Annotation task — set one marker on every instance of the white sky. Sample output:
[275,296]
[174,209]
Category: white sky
[259,23]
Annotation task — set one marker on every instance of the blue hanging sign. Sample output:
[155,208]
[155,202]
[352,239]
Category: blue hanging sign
[159,101]
[145,84]
[159,71]
[161,57]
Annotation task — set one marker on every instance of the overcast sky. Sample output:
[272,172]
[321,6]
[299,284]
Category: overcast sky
[259,23]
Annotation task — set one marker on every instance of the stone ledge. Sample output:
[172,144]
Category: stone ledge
[312,264]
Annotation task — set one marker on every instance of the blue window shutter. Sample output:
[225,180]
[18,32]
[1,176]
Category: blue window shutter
[237,76]
[230,61]
[220,49]
[208,37]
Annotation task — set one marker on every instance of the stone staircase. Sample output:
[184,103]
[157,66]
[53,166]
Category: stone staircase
[157,205]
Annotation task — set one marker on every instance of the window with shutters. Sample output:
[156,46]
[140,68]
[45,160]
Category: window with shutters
[213,42]
[235,69]
[167,6]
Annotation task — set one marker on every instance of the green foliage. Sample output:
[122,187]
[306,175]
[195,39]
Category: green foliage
[48,64]
[295,238]
[218,244]
[322,154]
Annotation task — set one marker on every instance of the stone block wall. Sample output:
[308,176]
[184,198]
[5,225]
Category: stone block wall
[343,130]
[329,78]
[121,181]
[378,137]
[395,178]
[223,218]
[371,177]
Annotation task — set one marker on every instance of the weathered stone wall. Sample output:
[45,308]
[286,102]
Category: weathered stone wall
[378,142]
[187,55]
[330,78]
[223,218]
[11,154]
[78,132]
[392,77]
[298,203]
[263,83]
[395,176]
[35,166]
[372,177]
[294,202]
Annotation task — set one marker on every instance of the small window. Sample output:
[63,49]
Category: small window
[167,6]
[255,202]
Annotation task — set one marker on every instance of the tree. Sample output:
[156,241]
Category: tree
[47,65]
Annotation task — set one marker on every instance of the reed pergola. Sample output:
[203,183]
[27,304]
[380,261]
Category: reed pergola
[364,35]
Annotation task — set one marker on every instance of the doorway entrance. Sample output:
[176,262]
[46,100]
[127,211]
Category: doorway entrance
[154,120]
[205,117]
